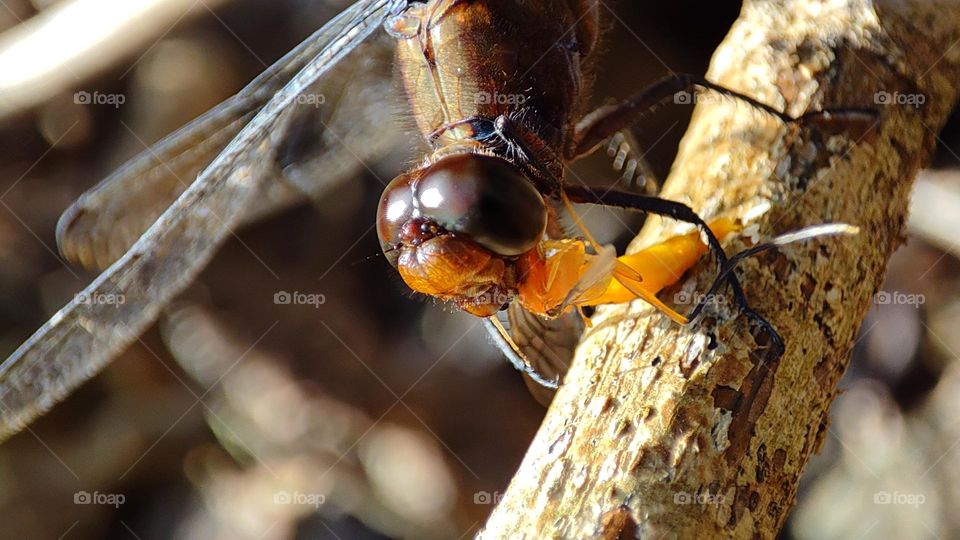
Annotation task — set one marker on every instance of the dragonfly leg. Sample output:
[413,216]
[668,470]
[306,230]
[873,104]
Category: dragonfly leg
[603,123]
[630,161]
[681,212]
[515,354]
[645,273]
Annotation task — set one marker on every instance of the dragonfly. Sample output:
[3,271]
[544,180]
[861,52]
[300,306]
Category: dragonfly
[476,223]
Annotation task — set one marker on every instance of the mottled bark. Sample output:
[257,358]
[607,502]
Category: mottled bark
[664,431]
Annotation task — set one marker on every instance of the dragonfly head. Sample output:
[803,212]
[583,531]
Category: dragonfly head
[454,228]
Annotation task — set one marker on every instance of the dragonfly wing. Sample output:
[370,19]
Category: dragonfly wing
[341,122]
[545,345]
[103,223]
[86,334]
[353,126]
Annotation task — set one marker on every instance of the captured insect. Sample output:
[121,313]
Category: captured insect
[476,223]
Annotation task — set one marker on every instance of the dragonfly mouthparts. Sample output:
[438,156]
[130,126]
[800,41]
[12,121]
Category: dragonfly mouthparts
[419,230]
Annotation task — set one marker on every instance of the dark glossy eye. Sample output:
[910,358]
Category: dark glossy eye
[485,198]
[395,210]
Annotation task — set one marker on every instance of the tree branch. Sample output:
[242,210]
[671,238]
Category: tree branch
[684,432]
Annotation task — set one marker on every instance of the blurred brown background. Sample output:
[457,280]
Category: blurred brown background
[374,414]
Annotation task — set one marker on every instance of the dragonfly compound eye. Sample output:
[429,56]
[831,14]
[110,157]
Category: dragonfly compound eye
[396,210]
[485,199]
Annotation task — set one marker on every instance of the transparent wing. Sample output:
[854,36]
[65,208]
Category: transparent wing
[340,125]
[545,346]
[351,123]
[86,334]
[548,343]
[103,223]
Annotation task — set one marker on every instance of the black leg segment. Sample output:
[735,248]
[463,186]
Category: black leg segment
[682,212]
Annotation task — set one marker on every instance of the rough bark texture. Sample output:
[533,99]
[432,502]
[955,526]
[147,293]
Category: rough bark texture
[663,431]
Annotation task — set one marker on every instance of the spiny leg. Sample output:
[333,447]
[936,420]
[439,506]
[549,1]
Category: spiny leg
[603,123]
[645,273]
[515,355]
[682,212]
[630,161]
[517,134]
[814,231]
[652,205]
